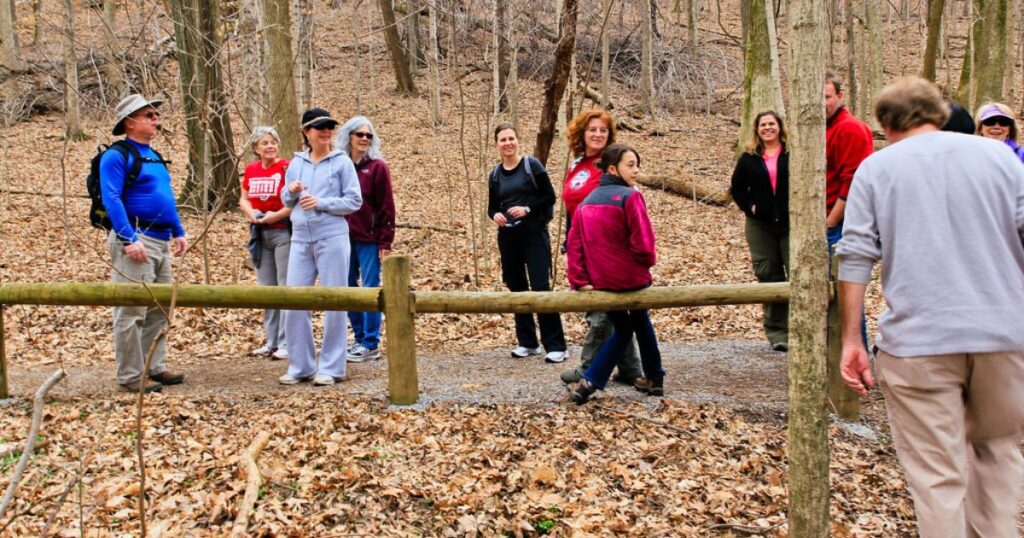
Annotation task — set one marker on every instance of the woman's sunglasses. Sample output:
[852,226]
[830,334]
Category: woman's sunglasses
[360,134]
[1001,121]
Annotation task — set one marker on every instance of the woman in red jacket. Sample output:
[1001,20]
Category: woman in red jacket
[611,248]
[268,218]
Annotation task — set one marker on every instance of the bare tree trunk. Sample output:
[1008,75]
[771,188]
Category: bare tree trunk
[851,59]
[606,77]
[501,61]
[302,43]
[808,423]
[691,21]
[988,49]
[9,50]
[403,75]
[965,89]
[112,69]
[647,58]
[759,90]
[555,86]
[1012,32]
[253,71]
[412,36]
[192,79]
[72,110]
[435,72]
[876,57]
[277,56]
[744,25]
[931,48]
[37,30]
[224,183]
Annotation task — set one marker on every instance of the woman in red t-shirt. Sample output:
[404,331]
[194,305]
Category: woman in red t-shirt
[270,234]
[588,134]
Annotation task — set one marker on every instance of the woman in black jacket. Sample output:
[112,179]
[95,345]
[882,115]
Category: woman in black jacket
[760,187]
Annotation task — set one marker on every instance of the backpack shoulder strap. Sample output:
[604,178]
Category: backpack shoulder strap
[131,153]
[529,172]
[494,173]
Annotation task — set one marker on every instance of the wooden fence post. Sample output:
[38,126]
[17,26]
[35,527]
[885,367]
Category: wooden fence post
[845,401]
[397,305]
[3,357]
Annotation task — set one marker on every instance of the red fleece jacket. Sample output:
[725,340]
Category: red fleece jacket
[848,141]
[611,241]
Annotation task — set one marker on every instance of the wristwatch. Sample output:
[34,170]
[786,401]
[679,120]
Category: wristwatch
[527,209]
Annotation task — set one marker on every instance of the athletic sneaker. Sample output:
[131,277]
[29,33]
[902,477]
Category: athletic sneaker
[265,350]
[556,356]
[287,379]
[280,354]
[521,352]
[359,353]
[323,380]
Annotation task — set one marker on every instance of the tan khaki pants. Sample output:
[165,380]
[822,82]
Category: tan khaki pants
[956,421]
[136,327]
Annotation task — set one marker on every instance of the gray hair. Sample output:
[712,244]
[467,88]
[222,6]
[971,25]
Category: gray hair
[341,140]
[260,132]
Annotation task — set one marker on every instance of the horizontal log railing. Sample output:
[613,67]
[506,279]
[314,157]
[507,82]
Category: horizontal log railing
[398,302]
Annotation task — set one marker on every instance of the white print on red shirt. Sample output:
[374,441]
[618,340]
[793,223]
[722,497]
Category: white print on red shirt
[264,187]
[579,180]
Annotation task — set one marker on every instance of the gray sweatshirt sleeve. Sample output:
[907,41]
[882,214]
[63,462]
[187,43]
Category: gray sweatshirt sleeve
[350,199]
[860,246]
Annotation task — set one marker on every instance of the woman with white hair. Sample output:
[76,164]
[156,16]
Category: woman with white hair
[371,229]
[270,228]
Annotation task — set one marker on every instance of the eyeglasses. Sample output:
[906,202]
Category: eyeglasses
[324,127]
[360,134]
[151,115]
[1001,121]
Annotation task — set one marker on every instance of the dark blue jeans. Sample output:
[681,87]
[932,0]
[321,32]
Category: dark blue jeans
[365,266]
[834,234]
[626,323]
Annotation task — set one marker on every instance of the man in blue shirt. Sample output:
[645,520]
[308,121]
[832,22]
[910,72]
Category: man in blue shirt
[145,231]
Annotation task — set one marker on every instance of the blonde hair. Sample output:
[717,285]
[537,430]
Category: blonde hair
[1003,111]
[911,102]
[260,132]
[578,126]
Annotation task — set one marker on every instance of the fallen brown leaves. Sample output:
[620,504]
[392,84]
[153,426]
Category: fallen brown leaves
[342,466]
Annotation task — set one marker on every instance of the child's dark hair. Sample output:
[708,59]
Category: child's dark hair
[613,154]
[502,127]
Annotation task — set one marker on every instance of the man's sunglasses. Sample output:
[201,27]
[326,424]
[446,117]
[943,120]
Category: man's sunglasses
[151,115]
[360,134]
[1001,121]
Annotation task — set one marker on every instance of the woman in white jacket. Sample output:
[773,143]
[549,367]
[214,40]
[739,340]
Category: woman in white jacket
[322,189]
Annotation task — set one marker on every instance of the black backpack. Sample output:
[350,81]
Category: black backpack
[97,212]
[547,213]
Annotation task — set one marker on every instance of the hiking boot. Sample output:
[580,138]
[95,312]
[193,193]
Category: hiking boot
[521,352]
[556,357]
[280,354]
[652,387]
[582,393]
[287,379]
[572,375]
[168,378]
[359,353]
[147,386]
[629,380]
[780,346]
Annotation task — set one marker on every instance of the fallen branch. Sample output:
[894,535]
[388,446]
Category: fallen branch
[431,228]
[683,187]
[60,503]
[252,486]
[42,193]
[10,449]
[745,529]
[30,443]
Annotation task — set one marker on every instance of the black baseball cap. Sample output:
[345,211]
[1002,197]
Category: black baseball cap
[317,118]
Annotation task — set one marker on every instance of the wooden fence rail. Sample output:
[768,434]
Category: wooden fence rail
[400,303]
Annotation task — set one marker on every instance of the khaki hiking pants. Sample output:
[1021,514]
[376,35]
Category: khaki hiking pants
[136,327]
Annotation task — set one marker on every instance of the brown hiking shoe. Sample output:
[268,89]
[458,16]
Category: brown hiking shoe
[147,386]
[168,378]
[653,386]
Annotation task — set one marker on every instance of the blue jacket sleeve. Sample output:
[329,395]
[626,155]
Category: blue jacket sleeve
[113,172]
[351,196]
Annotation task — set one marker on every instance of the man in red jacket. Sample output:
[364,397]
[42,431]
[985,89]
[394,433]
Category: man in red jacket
[848,141]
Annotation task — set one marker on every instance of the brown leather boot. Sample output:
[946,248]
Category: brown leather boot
[652,386]
[147,386]
[168,378]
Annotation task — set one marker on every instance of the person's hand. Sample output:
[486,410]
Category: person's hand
[136,252]
[295,187]
[517,211]
[753,208]
[588,287]
[855,368]
[270,218]
[499,219]
[252,218]
[383,253]
[180,245]
[308,202]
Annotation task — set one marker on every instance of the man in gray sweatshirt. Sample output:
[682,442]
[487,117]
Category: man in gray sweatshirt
[944,212]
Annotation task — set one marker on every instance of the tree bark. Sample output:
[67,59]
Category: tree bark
[112,69]
[435,71]
[302,43]
[403,76]
[192,81]
[691,22]
[72,109]
[931,48]
[982,78]
[606,77]
[252,68]
[9,50]
[808,424]
[222,146]
[37,19]
[412,36]
[277,55]
[555,86]
[501,61]
[760,90]
[851,59]
[876,57]
[647,58]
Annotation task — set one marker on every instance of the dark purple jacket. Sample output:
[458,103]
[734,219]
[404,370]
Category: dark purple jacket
[611,241]
[375,220]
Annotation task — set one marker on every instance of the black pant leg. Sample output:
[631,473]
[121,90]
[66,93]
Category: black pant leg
[512,249]
[538,267]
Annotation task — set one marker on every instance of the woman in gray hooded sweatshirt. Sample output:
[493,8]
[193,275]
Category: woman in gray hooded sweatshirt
[322,189]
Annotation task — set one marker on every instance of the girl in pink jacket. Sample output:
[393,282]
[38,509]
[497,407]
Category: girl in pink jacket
[611,248]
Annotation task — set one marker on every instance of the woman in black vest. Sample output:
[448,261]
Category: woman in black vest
[760,187]
[520,201]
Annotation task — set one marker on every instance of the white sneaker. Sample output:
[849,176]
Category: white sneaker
[265,350]
[521,352]
[323,380]
[287,379]
[359,353]
[280,355]
[556,356]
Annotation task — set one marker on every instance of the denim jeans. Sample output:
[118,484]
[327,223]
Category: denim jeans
[626,323]
[365,266]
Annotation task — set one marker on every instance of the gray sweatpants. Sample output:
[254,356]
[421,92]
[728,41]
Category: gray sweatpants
[273,271]
[135,327]
[327,258]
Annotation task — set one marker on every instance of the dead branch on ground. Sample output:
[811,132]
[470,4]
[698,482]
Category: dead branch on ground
[253,482]
[683,187]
